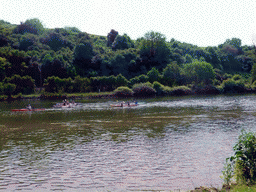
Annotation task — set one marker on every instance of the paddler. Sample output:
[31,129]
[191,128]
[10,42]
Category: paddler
[29,107]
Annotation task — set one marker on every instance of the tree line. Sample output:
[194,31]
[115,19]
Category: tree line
[39,55]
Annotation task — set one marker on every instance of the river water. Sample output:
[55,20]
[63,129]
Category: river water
[162,144]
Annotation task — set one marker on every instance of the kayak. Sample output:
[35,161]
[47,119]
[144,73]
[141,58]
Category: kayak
[60,105]
[124,105]
[42,109]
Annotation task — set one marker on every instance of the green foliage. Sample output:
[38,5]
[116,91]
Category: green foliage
[153,49]
[237,77]
[83,51]
[1,88]
[122,42]
[199,72]
[56,41]
[143,90]
[9,89]
[232,86]
[253,73]
[23,84]
[81,84]
[153,75]
[123,92]
[160,89]
[244,160]
[235,42]
[227,172]
[3,65]
[121,81]
[57,85]
[171,74]
[27,41]
[72,30]
[35,24]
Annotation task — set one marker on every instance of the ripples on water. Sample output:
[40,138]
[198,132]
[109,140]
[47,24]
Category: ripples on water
[164,144]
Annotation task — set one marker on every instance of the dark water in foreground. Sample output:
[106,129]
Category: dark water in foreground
[163,144]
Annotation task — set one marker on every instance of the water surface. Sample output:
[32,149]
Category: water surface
[163,144]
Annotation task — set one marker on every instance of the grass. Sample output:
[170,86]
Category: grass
[233,188]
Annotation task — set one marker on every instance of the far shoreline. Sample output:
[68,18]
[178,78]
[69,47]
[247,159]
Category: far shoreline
[108,95]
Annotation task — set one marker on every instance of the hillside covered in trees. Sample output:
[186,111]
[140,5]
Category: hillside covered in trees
[68,60]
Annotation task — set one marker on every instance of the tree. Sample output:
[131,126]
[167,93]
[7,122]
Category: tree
[153,75]
[253,73]
[3,65]
[119,65]
[83,54]
[213,57]
[199,72]
[171,74]
[154,50]
[83,51]
[27,41]
[234,42]
[36,24]
[122,42]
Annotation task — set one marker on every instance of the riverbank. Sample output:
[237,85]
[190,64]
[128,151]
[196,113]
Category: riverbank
[206,90]
[177,91]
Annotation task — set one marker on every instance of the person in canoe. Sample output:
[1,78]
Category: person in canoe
[29,107]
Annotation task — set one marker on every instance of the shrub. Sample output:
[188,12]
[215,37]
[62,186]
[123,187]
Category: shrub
[123,92]
[205,90]
[232,86]
[237,77]
[180,90]
[244,161]
[143,90]
[159,88]
[9,89]
[23,84]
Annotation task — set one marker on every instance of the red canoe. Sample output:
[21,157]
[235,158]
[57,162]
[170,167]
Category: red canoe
[42,109]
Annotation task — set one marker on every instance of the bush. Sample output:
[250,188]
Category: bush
[23,84]
[243,163]
[232,86]
[9,89]
[205,90]
[237,77]
[180,90]
[123,92]
[159,88]
[143,90]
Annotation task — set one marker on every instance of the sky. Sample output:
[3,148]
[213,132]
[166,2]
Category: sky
[199,22]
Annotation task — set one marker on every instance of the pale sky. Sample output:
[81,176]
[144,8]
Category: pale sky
[199,22]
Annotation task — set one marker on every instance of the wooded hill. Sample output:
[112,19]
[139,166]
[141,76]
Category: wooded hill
[30,54]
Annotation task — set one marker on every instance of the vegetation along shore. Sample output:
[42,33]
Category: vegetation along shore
[66,61]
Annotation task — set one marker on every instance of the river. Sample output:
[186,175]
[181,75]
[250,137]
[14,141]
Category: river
[165,143]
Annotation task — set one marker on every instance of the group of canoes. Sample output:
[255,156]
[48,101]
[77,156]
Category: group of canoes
[67,104]
[126,104]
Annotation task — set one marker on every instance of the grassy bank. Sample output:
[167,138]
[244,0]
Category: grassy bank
[233,188]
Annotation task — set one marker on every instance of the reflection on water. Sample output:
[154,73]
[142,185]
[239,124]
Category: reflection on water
[163,144]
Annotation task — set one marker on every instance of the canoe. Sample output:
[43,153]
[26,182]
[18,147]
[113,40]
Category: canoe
[42,109]
[59,105]
[124,105]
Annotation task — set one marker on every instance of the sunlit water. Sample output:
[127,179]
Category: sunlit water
[163,144]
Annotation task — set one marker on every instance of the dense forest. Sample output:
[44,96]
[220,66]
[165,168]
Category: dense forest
[67,60]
